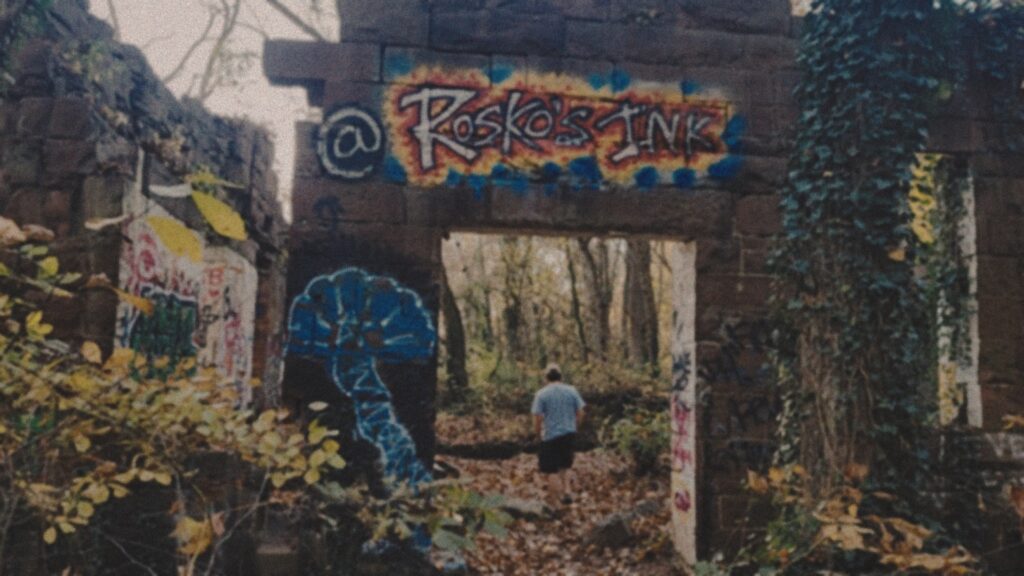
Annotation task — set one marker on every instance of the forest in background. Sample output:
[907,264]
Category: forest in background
[513,304]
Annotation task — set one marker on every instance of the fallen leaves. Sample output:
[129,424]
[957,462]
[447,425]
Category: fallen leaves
[176,237]
[221,217]
[557,544]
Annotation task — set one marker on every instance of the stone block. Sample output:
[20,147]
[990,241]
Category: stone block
[503,31]
[24,206]
[1000,319]
[760,174]
[34,117]
[398,62]
[547,72]
[67,158]
[56,212]
[763,16]
[395,22]
[998,361]
[999,278]
[291,62]
[768,52]
[1000,400]
[586,9]
[71,118]
[586,39]
[998,236]
[758,216]
[22,163]
[749,291]
[951,135]
[327,204]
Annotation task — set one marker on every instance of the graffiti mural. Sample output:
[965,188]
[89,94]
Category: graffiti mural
[352,321]
[509,128]
[203,306]
[172,283]
[448,127]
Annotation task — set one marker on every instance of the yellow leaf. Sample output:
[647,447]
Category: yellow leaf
[1011,421]
[278,479]
[206,178]
[898,255]
[35,327]
[221,217]
[85,509]
[91,352]
[162,478]
[176,237]
[317,458]
[82,443]
[194,536]
[312,476]
[98,493]
[923,230]
[316,432]
[144,305]
[49,266]
[757,483]
[318,406]
[10,234]
[336,461]
[120,359]
[331,447]
[50,536]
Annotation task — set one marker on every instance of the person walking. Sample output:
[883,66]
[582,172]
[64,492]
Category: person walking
[557,410]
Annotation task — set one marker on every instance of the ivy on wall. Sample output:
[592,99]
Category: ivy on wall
[872,275]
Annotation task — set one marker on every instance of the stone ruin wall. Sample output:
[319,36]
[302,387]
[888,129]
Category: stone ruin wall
[88,132]
[408,151]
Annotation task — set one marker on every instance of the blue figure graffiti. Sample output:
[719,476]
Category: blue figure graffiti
[353,320]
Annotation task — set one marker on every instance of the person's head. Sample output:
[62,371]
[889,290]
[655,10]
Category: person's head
[553,373]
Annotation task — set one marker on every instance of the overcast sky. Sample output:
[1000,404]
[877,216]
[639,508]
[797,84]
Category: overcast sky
[165,29]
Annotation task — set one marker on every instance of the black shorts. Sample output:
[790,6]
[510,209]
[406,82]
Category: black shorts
[557,454]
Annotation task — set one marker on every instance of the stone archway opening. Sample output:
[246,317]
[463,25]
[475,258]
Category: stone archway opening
[511,304]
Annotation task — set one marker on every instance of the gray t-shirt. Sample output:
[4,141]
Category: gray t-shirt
[558,404]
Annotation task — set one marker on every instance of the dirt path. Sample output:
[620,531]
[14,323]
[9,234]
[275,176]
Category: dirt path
[557,545]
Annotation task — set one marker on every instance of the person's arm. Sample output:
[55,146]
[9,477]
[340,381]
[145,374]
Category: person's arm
[581,409]
[538,416]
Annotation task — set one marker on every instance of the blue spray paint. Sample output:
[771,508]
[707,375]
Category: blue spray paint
[394,170]
[689,87]
[684,178]
[620,80]
[647,178]
[726,169]
[397,65]
[501,72]
[354,321]
[586,173]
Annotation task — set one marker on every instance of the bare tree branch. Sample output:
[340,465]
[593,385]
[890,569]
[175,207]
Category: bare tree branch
[208,81]
[192,49]
[114,21]
[294,19]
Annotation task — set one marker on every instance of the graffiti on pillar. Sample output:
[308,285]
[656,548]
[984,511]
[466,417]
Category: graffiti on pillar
[350,143]
[203,304]
[450,127]
[227,316]
[172,283]
[352,321]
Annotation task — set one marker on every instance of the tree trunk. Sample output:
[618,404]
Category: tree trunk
[576,308]
[455,340]
[640,315]
[600,288]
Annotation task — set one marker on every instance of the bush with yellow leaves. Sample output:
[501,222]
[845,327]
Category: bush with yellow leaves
[851,532]
[88,443]
[79,433]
